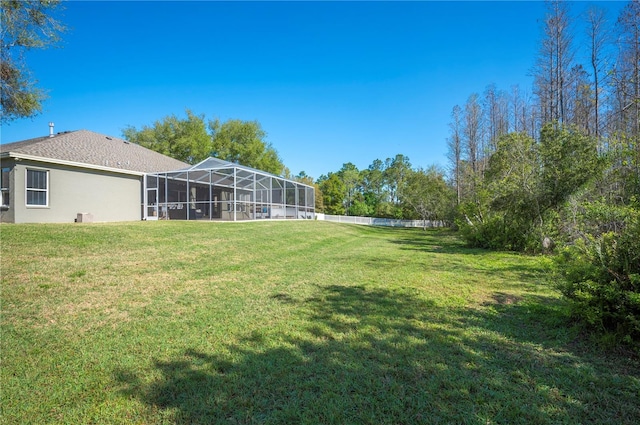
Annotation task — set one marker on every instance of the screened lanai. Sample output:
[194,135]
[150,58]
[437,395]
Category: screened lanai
[220,190]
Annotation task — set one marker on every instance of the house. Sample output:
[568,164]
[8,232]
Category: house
[83,175]
[53,178]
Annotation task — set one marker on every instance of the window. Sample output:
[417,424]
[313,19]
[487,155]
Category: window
[37,188]
[4,186]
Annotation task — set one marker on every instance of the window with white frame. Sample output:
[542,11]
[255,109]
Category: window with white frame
[4,186]
[37,188]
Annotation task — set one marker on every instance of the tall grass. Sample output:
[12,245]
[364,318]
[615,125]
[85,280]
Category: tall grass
[290,322]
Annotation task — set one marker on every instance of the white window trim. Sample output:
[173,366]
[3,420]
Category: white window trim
[6,189]
[27,189]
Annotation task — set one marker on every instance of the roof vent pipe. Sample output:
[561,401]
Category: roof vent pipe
[51,129]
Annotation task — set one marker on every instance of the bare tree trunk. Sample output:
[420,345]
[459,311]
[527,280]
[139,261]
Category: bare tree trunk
[598,38]
[473,133]
[497,120]
[455,149]
[554,64]
[627,79]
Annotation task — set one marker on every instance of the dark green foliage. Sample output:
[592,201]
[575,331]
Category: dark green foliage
[350,177]
[333,193]
[389,189]
[427,195]
[575,182]
[621,180]
[600,275]
[497,231]
[568,160]
[525,185]
[188,140]
[25,25]
[244,142]
[359,207]
[183,139]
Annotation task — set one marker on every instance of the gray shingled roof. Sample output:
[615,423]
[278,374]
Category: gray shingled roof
[91,148]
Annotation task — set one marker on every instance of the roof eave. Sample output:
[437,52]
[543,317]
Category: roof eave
[21,156]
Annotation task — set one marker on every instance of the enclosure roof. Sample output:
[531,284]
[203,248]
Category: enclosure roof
[212,163]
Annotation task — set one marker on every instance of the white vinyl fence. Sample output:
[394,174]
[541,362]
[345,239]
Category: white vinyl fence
[373,221]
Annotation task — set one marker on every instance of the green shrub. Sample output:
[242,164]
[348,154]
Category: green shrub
[600,275]
[501,231]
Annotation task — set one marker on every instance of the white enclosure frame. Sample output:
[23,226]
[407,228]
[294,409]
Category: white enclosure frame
[220,190]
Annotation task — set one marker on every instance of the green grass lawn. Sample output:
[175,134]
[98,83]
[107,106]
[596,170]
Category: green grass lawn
[287,323]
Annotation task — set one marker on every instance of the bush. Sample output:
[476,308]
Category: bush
[600,275]
[502,230]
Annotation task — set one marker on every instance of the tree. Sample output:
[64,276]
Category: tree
[333,193]
[526,185]
[570,171]
[568,159]
[554,63]
[243,142]
[513,185]
[359,206]
[598,40]
[319,198]
[504,212]
[373,187]
[454,144]
[427,194]
[497,117]
[395,173]
[523,112]
[627,72]
[473,132]
[25,25]
[627,83]
[472,137]
[580,101]
[513,174]
[304,178]
[350,176]
[183,139]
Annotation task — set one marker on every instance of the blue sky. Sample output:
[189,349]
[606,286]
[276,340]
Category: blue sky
[330,82]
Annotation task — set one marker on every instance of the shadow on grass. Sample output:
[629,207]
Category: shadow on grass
[377,356]
[444,241]
[447,241]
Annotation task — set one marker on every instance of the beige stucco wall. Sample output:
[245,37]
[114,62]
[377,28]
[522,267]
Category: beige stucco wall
[107,196]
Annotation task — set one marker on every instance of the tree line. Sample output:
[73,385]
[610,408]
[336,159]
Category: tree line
[518,159]
[598,99]
[391,189]
[559,170]
[556,168]
[563,162]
